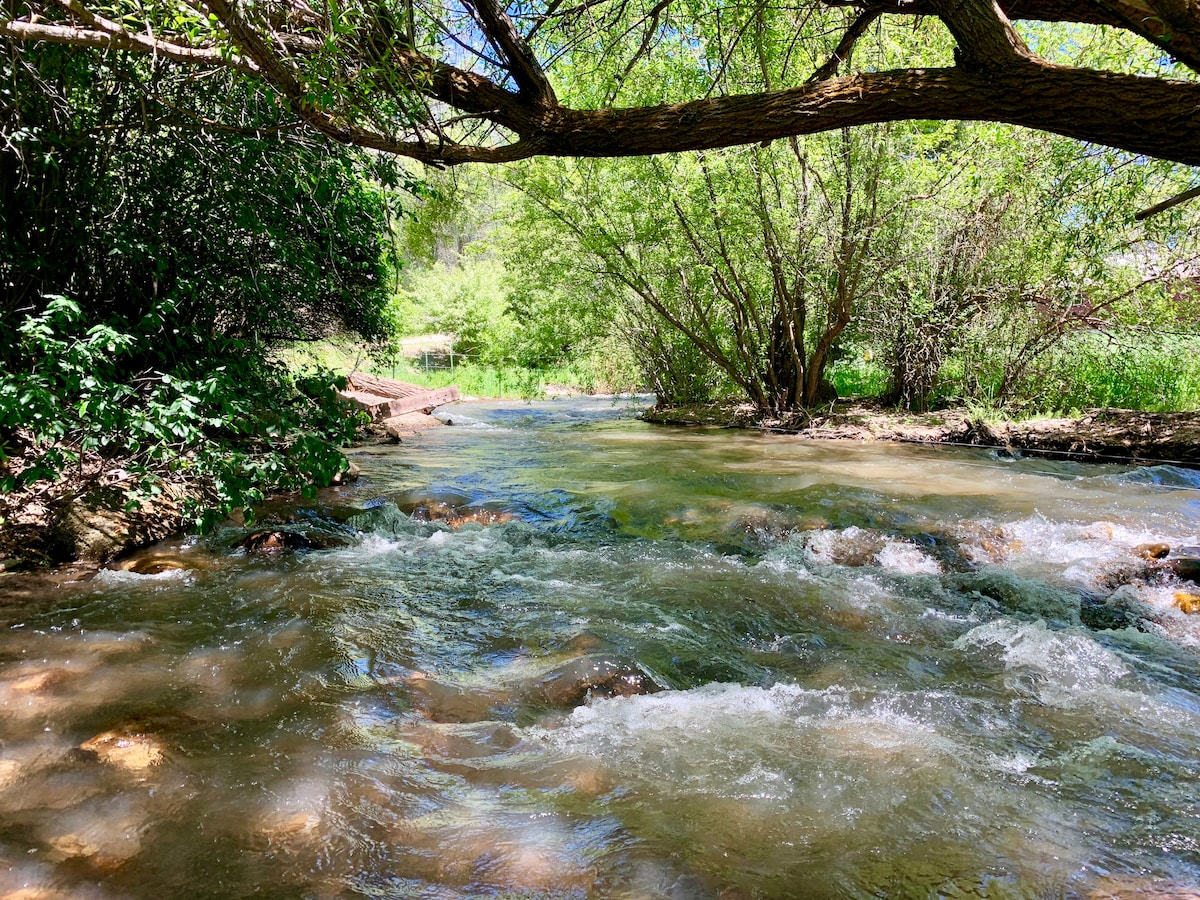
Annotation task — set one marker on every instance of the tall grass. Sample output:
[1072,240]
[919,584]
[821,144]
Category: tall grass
[858,378]
[1147,372]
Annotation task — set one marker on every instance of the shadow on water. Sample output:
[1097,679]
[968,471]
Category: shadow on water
[555,652]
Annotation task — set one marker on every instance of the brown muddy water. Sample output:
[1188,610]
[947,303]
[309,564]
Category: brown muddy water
[853,671]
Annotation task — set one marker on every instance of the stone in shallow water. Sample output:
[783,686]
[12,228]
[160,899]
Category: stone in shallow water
[1133,887]
[39,682]
[1189,603]
[126,749]
[1186,567]
[277,542]
[455,514]
[1152,550]
[596,677]
[449,703]
[1123,608]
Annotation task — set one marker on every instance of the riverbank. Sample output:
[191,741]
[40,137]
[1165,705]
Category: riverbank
[1098,435]
[100,510]
[94,514]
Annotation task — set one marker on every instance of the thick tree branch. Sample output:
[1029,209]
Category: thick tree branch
[1171,25]
[998,80]
[985,36]
[522,63]
[1143,115]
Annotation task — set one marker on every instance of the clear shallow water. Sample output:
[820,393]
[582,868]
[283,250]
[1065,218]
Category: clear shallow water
[879,678]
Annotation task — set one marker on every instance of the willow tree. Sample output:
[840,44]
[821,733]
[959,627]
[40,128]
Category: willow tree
[757,256]
[446,81]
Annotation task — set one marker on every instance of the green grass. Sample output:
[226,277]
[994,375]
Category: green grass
[1141,372]
[858,378]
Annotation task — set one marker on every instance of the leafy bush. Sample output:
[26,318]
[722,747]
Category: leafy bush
[238,429]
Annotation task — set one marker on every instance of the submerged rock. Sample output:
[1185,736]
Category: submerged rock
[1185,567]
[40,682]
[127,749]
[592,677]
[270,541]
[1138,887]
[455,515]
[448,703]
[1123,608]
[1026,596]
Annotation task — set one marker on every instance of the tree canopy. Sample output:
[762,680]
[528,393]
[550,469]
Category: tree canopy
[453,81]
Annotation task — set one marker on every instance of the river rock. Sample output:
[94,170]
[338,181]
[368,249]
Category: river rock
[97,526]
[1186,567]
[126,748]
[353,473]
[447,703]
[455,515]
[1015,594]
[40,682]
[1123,608]
[1127,571]
[851,546]
[272,541]
[1189,603]
[1152,550]
[1137,887]
[593,677]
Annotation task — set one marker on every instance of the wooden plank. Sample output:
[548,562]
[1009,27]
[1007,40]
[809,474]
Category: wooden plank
[382,387]
[381,407]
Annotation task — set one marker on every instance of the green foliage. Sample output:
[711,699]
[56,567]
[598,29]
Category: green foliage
[185,253]
[1128,370]
[246,235]
[464,300]
[242,428]
[858,375]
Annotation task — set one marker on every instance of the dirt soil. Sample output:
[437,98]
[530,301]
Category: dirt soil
[1099,435]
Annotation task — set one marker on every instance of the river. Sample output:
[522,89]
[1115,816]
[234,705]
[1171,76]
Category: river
[642,662]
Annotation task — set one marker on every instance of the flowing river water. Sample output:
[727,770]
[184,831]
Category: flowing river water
[636,662]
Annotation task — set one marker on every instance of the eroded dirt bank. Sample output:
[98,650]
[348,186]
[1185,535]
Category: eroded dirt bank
[1100,435]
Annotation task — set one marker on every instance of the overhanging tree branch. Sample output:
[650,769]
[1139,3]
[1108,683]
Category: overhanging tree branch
[997,78]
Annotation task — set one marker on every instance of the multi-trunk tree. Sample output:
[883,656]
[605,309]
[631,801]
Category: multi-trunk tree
[757,258]
[447,82]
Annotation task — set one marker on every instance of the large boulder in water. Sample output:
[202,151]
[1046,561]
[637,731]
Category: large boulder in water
[1023,596]
[1123,608]
[105,522]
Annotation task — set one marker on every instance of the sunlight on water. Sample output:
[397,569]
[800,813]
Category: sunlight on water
[553,652]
